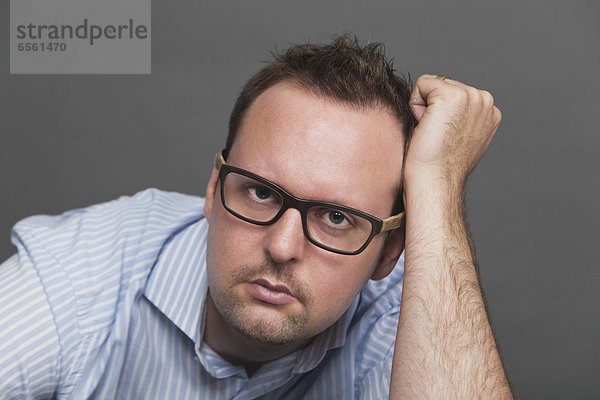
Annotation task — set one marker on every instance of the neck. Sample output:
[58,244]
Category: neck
[238,349]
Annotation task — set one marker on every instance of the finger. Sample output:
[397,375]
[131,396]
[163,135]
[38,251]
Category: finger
[423,87]
[497,116]
[421,91]
[427,90]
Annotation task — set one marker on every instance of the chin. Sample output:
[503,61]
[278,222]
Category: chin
[266,326]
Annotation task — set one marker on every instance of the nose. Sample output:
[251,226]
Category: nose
[285,240]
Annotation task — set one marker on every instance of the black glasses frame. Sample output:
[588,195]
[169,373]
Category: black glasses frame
[289,201]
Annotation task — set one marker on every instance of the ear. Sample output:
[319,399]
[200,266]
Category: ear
[394,246]
[210,194]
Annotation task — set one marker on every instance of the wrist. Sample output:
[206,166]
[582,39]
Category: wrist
[432,191]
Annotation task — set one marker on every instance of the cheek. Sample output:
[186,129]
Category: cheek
[329,304]
[340,289]
[231,243]
[335,282]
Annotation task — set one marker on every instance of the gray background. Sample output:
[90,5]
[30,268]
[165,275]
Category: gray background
[69,141]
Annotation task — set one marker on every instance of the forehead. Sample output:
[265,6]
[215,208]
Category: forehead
[317,148]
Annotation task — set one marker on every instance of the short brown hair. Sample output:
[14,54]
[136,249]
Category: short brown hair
[343,70]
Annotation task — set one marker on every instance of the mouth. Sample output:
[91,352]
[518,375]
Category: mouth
[267,292]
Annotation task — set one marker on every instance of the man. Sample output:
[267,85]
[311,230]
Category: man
[285,281]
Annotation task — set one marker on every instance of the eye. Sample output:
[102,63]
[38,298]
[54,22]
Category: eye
[333,219]
[336,217]
[261,192]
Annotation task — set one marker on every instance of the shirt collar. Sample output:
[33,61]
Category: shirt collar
[177,284]
[331,338]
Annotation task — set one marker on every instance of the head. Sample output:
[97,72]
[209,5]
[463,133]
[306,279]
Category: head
[324,122]
[344,71]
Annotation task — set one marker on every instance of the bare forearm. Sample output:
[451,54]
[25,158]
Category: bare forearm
[444,346]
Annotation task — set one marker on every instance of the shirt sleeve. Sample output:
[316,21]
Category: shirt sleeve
[29,345]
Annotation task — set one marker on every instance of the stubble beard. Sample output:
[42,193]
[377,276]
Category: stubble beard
[276,329]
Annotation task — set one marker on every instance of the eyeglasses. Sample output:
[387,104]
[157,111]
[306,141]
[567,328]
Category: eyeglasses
[330,226]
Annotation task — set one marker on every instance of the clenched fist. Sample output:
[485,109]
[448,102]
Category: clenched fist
[456,123]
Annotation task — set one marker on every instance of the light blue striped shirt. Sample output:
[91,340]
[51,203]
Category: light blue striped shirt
[107,302]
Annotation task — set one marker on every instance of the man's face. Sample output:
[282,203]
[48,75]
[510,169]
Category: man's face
[269,282]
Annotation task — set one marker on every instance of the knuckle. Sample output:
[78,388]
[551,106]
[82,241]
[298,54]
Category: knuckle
[474,94]
[461,96]
[478,101]
[469,97]
[487,97]
[423,77]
